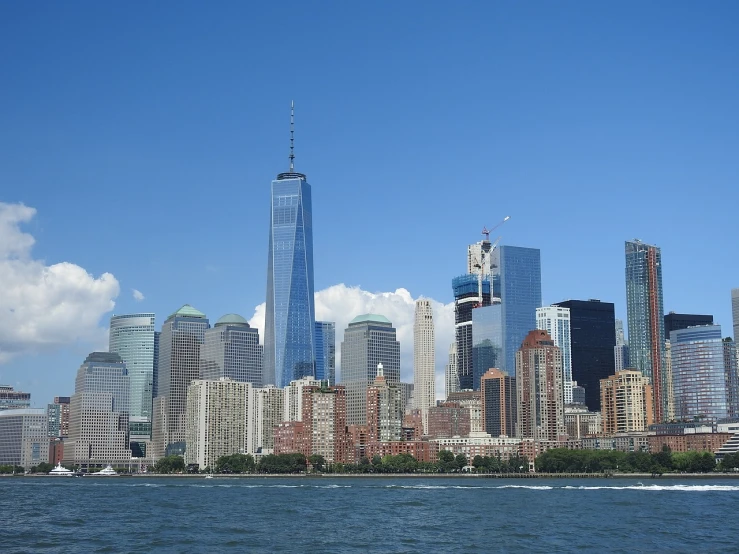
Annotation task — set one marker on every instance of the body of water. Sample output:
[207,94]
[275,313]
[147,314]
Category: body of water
[324,514]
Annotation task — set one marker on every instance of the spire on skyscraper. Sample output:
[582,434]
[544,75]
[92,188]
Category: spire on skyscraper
[292,136]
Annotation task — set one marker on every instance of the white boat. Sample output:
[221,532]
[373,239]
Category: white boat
[107,472]
[60,471]
[209,476]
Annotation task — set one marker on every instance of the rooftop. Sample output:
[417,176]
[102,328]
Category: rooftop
[232,319]
[370,318]
[187,311]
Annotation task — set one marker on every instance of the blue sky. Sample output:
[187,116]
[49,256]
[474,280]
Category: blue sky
[146,136]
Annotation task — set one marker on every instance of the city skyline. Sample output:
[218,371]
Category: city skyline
[210,153]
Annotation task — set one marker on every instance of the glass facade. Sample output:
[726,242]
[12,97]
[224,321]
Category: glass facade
[24,437]
[555,320]
[731,377]
[675,322]
[593,339]
[466,290]
[735,312]
[645,315]
[487,341]
[289,350]
[325,342]
[132,338]
[231,349]
[13,399]
[698,373]
[517,282]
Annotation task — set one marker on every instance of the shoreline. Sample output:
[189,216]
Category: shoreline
[639,476]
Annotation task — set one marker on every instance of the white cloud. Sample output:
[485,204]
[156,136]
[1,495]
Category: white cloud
[138,296]
[42,306]
[341,304]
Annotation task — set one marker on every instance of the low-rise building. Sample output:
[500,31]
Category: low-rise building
[423,451]
[580,422]
[700,442]
[638,441]
[481,444]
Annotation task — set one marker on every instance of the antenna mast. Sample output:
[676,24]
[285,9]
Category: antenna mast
[292,136]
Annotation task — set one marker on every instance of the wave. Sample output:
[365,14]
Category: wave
[685,488]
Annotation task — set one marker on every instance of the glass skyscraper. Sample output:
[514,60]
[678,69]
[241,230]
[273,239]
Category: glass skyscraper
[487,341]
[698,373]
[517,282]
[466,290]
[289,350]
[645,314]
[325,342]
[231,349]
[132,338]
[555,320]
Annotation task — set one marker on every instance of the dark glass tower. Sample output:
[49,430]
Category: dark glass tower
[289,333]
[593,336]
[466,298]
[675,322]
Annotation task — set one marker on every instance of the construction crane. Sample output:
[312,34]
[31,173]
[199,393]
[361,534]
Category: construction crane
[486,250]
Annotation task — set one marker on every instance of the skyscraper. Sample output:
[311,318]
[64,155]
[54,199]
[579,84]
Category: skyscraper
[645,314]
[289,350]
[517,282]
[179,364]
[499,403]
[487,340]
[98,412]
[593,337]
[267,411]
[326,351]
[621,350]
[626,402]
[424,359]
[384,409]
[675,322]
[231,349]
[698,373]
[132,337]
[58,413]
[450,370]
[24,437]
[369,339]
[735,312]
[539,388]
[555,320]
[731,372]
[466,290]
[294,397]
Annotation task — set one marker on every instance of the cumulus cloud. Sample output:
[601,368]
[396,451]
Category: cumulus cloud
[138,296]
[341,304]
[44,306]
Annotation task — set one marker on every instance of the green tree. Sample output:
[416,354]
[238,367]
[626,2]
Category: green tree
[44,467]
[460,461]
[317,461]
[170,464]
[235,463]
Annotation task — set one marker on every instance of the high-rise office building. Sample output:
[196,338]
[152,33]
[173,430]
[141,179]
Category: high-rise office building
[294,397]
[517,282]
[24,437]
[698,373]
[325,341]
[450,371]
[731,372]
[555,320]
[289,350]
[369,339]
[675,322]
[499,403]
[539,388]
[626,402]
[466,290]
[132,337]
[11,399]
[735,312]
[593,337]
[487,340]
[231,349]
[384,409]
[178,365]
[645,314]
[58,413]
[621,350]
[98,413]
[424,359]
[217,416]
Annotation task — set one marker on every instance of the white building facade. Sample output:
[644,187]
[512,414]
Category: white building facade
[424,359]
[556,321]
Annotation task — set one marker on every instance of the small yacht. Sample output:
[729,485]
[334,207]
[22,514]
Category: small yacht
[107,472]
[60,471]
[209,476]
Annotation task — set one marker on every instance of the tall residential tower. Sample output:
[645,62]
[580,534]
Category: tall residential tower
[424,361]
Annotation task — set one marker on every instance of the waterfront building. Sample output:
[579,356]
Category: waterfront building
[621,350]
[11,399]
[735,312]
[731,374]
[24,439]
[325,342]
[450,371]
[294,397]
[56,450]
[384,409]
[472,401]
[480,444]
[555,320]
[324,418]
[517,282]
[580,422]
[626,402]
[706,441]
[422,451]
[487,340]
[466,290]
[178,365]
[539,388]
[216,420]
[369,339]
[645,315]
[267,411]
[98,413]
[698,373]
[499,407]
[231,349]
[289,350]
[636,441]
[58,415]
[593,336]
[424,358]
[134,338]
[675,322]
[447,420]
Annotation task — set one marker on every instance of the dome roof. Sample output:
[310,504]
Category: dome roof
[232,319]
[370,318]
[188,311]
